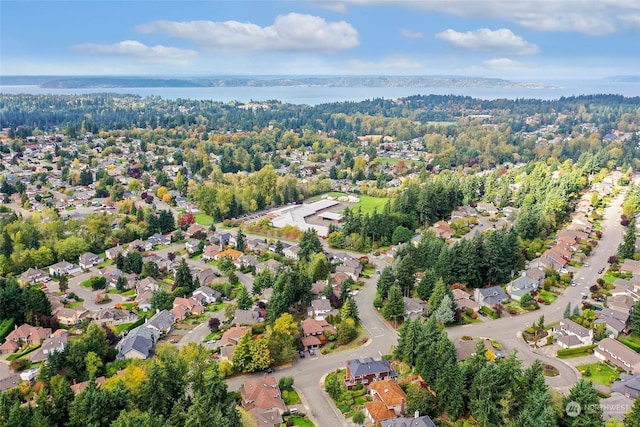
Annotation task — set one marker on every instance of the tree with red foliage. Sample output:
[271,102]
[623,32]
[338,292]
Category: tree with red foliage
[185,219]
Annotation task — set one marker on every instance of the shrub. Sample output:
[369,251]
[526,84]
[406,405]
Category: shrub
[576,350]
[19,364]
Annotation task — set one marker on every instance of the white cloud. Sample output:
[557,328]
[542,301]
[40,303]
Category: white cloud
[503,64]
[593,17]
[133,48]
[484,39]
[289,33]
[333,6]
[410,34]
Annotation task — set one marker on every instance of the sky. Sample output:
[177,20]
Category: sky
[516,39]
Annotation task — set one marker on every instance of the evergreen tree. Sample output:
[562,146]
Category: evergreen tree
[385,281]
[394,308]
[183,279]
[444,314]
[242,357]
[350,310]
[263,280]
[405,275]
[426,285]
[582,406]
[309,244]
[243,300]
[628,247]
[437,295]
[635,318]
[567,311]
[632,419]
[63,283]
[240,241]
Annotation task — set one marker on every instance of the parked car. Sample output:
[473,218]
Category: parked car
[601,270]
[573,283]
[586,264]
[311,352]
[301,353]
[269,371]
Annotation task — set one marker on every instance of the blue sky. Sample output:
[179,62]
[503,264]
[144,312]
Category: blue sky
[519,39]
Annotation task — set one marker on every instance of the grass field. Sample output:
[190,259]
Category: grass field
[368,204]
[632,341]
[600,373]
[203,219]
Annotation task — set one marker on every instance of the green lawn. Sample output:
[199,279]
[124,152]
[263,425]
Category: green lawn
[368,204]
[290,397]
[600,373]
[632,341]
[203,219]
[298,420]
[121,327]
[548,297]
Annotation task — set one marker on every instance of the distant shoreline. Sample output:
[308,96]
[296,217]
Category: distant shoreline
[105,82]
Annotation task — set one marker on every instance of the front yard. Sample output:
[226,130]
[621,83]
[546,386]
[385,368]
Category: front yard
[601,373]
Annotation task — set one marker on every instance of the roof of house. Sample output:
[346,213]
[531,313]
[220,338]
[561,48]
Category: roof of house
[569,340]
[388,391]
[162,320]
[232,335]
[27,331]
[262,393]
[368,366]
[575,329]
[493,295]
[267,418]
[621,352]
[312,326]
[139,343]
[627,384]
[418,421]
[379,411]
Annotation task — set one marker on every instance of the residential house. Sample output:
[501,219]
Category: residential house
[262,393]
[209,252]
[162,321]
[159,239]
[233,335]
[615,321]
[139,245]
[320,308]
[520,286]
[88,260]
[205,277]
[185,307]
[70,316]
[619,355]
[144,300]
[80,387]
[313,332]
[192,245]
[134,347]
[247,317]
[113,316]
[267,418]
[488,208]
[416,421]
[621,303]
[232,253]
[389,392]
[64,268]
[113,252]
[223,238]
[33,276]
[351,268]
[257,245]
[367,371]
[291,252]
[147,284]
[628,385]
[463,300]
[466,348]
[271,265]
[246,261]
[630,266]
[206,295]
[195,229]
[9,347]
[442,229]
[537,274]
[490,296]
[28,334]
[570,334]
[376,411]
[414,307]
[57,342]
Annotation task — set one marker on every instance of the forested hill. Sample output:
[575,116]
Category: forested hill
[60,82]
[109,111]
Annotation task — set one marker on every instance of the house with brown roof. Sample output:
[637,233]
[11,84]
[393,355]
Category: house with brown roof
[376,411]
[209,252]
[28,334]
[262,393]
[185,307]
[630,266]
[463,300]
[619,355]
[389,392]
[313,332]
[442,229]
[33,276]
[70,316]
[232,253]
[233,335]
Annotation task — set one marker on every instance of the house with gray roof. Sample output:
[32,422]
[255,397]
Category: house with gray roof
[490,296]
[366,371]
[162,321]
[619,355]
[134,347]
[522,285]
[628,385]
[570,334]
[615,321]
[416,421]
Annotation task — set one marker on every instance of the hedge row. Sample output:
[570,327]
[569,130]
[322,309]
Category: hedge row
[576,350]
[6,326]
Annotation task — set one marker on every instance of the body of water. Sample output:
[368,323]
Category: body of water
[321,95]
